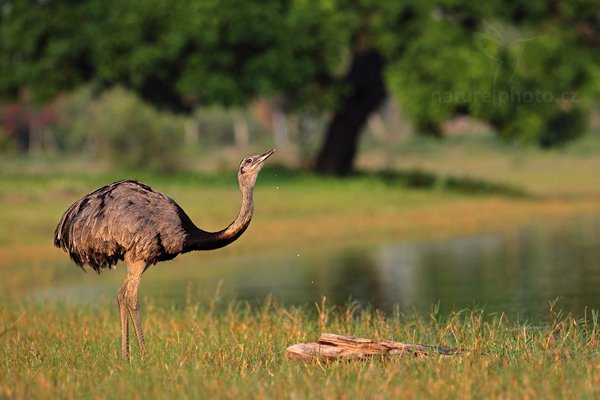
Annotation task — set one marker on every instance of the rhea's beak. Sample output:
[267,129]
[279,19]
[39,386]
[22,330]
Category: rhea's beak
[263,157]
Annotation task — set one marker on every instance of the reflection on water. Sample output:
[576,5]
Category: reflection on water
[518,273]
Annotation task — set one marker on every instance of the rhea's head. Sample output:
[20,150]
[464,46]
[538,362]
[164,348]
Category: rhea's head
[250,167]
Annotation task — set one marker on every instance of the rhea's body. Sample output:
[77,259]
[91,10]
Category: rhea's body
[129,219]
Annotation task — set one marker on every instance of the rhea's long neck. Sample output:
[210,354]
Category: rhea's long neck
[201,240]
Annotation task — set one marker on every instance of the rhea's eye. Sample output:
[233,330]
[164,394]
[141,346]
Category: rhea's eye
[248,160]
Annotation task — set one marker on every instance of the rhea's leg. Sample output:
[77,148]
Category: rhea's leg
[121,300]
[134,311]
[134,274]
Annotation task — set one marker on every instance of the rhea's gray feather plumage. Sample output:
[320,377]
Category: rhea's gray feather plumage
[127,220]
[123,217]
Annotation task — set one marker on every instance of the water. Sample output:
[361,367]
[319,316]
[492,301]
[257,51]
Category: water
[517,273]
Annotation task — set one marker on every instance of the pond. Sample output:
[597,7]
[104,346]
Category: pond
[516,272]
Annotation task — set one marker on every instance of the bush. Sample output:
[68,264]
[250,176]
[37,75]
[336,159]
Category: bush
[130,133]
[7,143]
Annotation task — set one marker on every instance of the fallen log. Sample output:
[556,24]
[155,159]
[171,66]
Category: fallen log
[331,347]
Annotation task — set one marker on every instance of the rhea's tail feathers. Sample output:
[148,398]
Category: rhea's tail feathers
[63,239]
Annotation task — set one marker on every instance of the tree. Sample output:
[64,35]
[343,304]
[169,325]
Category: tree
[439,58]
[525,69]
[365,92]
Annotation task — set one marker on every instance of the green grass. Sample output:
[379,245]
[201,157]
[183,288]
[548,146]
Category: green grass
[210,346]
[206,350]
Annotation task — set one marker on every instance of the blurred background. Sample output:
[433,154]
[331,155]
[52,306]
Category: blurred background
[437,152]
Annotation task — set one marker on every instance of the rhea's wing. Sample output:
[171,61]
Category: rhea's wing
[125,217]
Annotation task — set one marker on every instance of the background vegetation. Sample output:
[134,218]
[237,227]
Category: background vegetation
[527,70]
[175,93]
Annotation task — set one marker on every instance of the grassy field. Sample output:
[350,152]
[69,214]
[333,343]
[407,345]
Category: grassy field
[214,346]
[49,351]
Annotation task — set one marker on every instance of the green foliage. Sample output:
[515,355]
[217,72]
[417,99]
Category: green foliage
[442,71]
[543,104]
[528,68]
[131,133]
[527,83]
[45,47]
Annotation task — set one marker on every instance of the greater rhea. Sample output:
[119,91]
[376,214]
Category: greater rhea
[127,220]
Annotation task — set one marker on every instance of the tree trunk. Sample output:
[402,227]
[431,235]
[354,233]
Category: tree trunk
[366,91]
